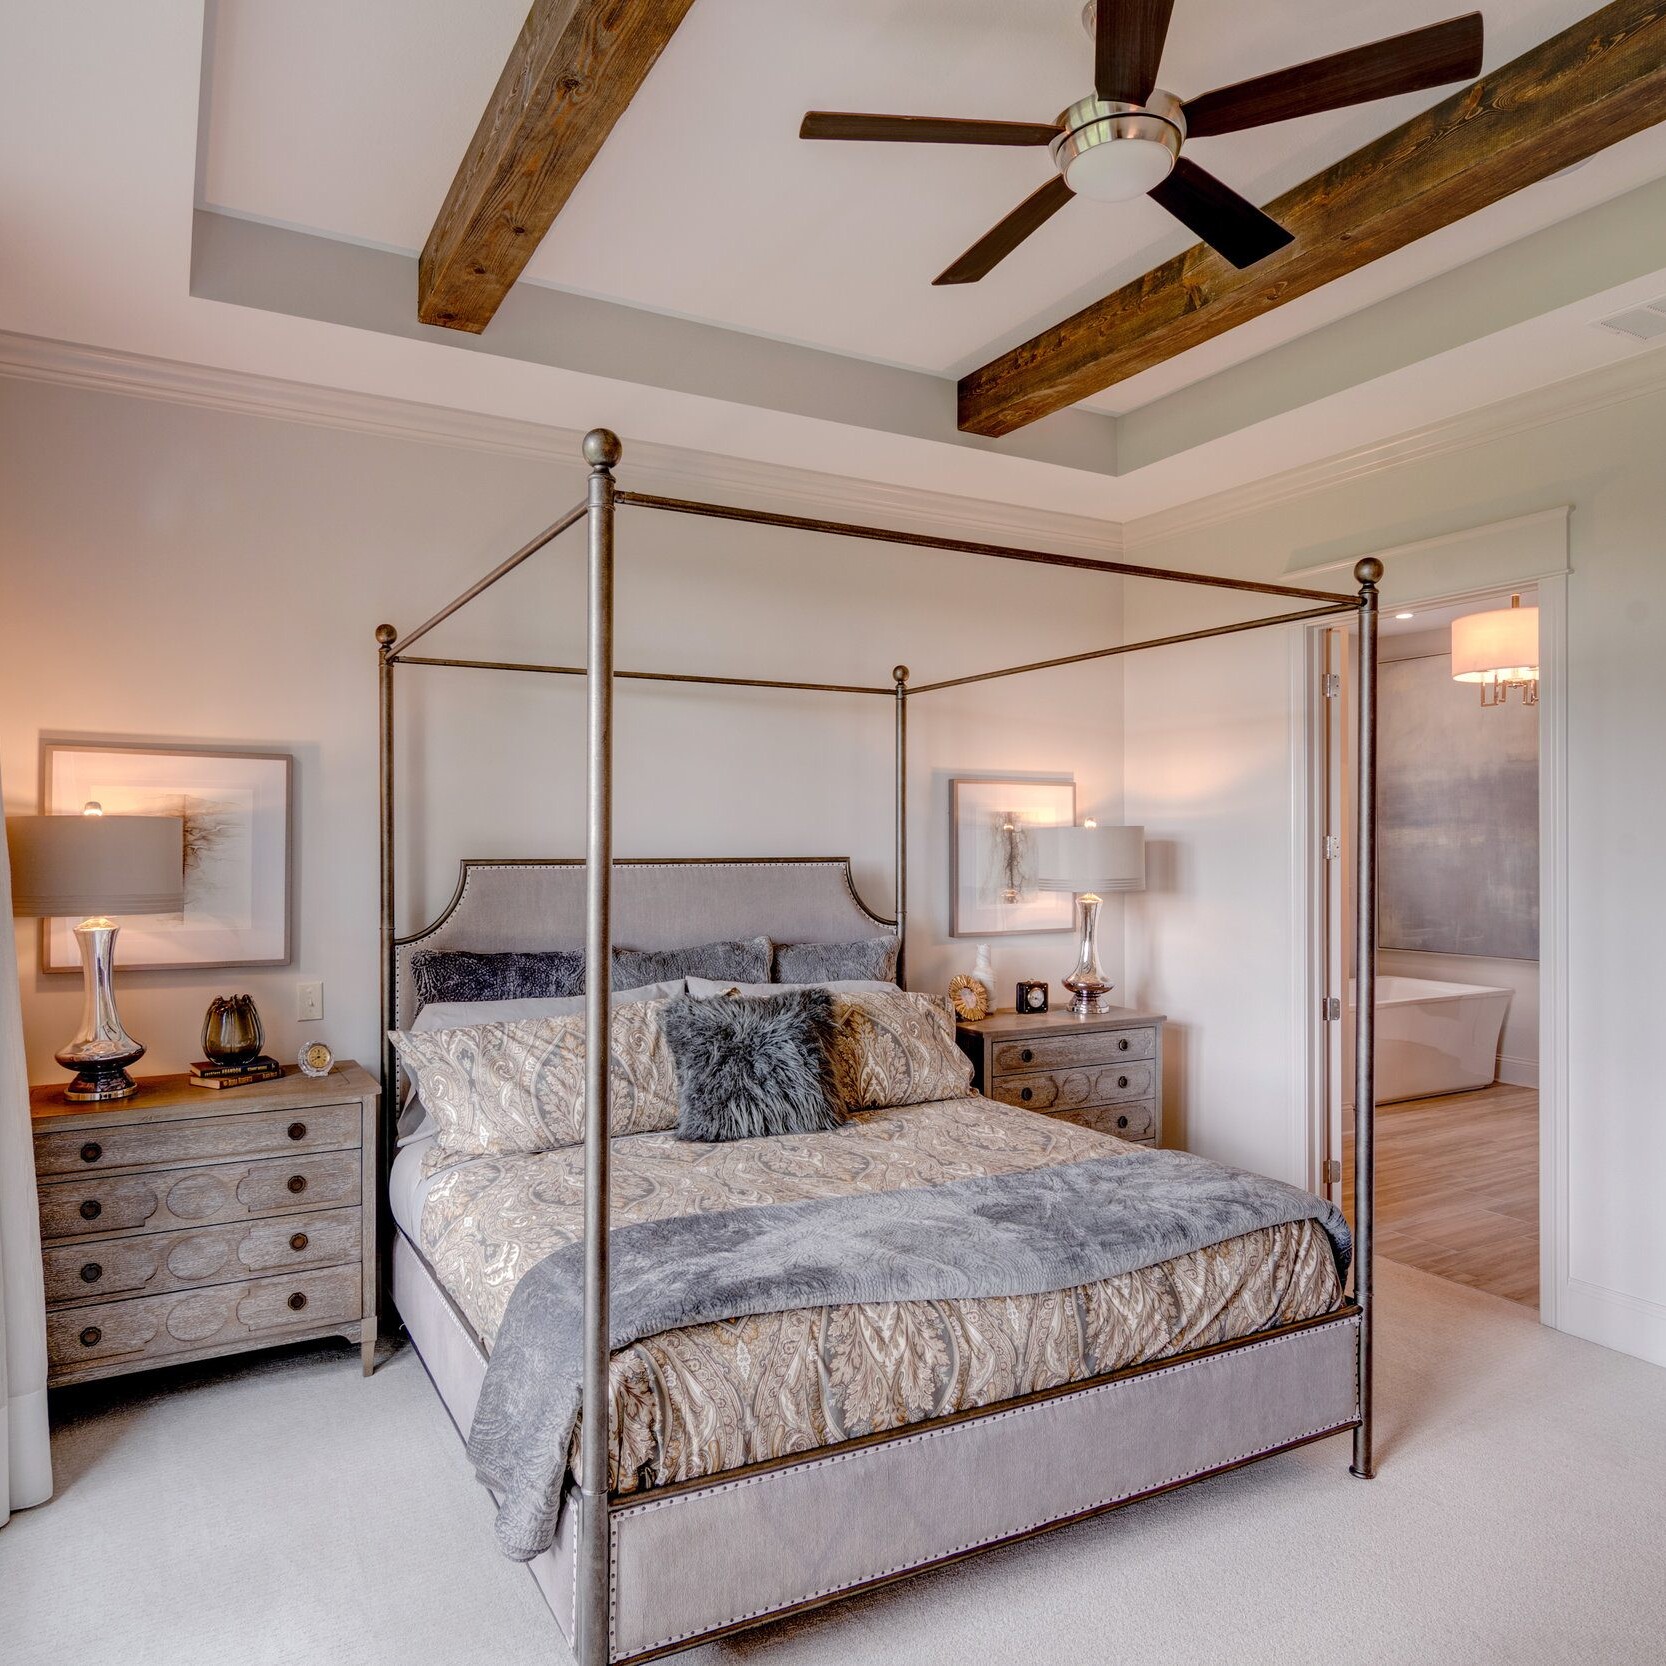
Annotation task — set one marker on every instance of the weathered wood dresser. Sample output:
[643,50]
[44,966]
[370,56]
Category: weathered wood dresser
[185,1223]
[1104,1071]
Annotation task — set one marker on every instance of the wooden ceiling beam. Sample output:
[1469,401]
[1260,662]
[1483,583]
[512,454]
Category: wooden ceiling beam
[575,67]
[1592,85]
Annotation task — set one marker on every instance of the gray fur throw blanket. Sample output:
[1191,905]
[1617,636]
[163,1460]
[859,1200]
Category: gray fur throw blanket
[998,1235]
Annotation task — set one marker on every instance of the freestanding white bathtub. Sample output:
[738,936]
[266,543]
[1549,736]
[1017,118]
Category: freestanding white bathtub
[1432,1038]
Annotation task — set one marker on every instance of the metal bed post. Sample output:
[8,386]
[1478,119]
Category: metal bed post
[899,675]
[1367,572]
[385,635]
[591,1603]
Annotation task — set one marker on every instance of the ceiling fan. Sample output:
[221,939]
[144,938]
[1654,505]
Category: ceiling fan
[1125,138]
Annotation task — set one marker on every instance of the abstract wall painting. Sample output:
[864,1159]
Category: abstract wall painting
[992,855]
[236,809]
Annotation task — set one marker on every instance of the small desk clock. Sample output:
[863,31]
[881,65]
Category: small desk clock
[1032,996]
[316,1059]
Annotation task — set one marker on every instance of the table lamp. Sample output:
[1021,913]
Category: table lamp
[1089,860]
[93,864]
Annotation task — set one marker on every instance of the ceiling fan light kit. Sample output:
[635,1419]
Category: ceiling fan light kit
[1113,152]
[1124,139]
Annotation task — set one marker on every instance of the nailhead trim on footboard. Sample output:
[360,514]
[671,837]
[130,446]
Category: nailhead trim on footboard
[1049,1409]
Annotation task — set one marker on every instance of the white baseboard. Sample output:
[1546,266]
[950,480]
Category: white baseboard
[1628,1324]
[1519,1073]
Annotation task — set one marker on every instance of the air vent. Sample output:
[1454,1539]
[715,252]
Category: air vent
[1644,323]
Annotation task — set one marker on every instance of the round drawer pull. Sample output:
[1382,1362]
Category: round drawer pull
[1122,1081]
[91,1151]
[297,1301]
[1122,1044]
[1024,1094]
[1026,1055]
[91,1273]
[91,1209]
[297,1183]
[91,1336]
[298,1242]
[297,1130]
[1122,1122]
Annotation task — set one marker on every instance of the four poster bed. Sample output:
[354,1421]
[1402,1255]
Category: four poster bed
[688,1514]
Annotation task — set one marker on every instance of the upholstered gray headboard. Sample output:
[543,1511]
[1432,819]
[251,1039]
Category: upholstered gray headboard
[657,904]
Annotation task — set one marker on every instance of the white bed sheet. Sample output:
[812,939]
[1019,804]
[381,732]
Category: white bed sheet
[407,1188]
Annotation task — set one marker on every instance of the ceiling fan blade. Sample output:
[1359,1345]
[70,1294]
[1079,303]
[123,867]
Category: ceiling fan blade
[925,130]
[1231,225]
[1431,57]
[1000,240]
[1128,38]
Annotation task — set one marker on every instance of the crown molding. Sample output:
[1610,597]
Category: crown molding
[673,470]
[1576,396]
[681,471]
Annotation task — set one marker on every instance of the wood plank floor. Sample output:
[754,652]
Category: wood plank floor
[1458,1188]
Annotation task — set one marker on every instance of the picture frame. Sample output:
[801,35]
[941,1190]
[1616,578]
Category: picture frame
[991,884]
[237,808]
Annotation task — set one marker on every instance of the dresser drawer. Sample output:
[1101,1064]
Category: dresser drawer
[1126,1121]
[1062,1090]
[207,1139]
[153,1327]
[1055,1052]
[198,1196]
[150,1262]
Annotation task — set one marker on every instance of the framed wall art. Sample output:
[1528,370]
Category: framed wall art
[236,810]
[992,854]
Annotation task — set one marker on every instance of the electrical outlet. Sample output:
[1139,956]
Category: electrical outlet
[309,1001]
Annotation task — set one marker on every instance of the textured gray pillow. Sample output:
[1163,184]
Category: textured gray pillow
[745,962]
[873,958]
[464,975]
[747,1068]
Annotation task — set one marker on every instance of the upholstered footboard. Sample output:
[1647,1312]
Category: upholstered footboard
[710,1556]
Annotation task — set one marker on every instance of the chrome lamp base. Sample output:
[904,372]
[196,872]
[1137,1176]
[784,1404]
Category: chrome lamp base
[102,1050]
[1088,983]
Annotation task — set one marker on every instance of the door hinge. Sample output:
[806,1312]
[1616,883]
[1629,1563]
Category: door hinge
[1333,1171]
[1333,846]
[1332,682]
[1330,1008]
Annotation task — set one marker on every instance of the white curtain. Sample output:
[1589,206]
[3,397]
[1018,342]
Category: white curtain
[25,1450]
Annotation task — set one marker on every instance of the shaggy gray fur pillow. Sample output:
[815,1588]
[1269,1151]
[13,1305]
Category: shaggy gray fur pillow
[747,1068]
[743,962]
[873,958]
[463,975]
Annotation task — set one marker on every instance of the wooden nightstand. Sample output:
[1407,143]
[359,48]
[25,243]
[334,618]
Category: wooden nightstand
[184,1222]
[1105,1072]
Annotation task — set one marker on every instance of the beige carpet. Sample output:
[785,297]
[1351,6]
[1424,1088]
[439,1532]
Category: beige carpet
[285,1510]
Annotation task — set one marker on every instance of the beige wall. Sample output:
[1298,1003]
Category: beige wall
[1209,765]
[170,573]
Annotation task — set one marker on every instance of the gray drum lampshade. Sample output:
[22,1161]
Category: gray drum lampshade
[76,866]
[1090,860]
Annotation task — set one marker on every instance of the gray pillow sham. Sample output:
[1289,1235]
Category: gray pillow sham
[872,958]
[470,975]
[742,962]
[751,1068]
[466,975]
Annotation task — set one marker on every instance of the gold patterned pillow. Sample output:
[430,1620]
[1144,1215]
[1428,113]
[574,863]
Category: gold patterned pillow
[897,1048]
[495,1089]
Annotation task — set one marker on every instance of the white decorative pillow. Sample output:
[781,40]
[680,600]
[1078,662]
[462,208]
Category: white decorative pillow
[497,1089]
[897,1048]
[704,988]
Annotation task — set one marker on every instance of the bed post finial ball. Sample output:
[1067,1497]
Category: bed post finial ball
[386,635]
[899,673]
[602,448]
[1369,570]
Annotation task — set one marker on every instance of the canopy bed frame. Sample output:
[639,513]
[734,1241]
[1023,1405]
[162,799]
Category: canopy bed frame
[638,1575]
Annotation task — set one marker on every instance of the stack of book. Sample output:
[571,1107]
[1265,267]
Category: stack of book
[206,1075]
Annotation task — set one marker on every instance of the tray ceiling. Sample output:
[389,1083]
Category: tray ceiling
[703,204]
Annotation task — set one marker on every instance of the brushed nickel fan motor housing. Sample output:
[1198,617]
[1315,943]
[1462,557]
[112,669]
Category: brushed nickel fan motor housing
[1094,121]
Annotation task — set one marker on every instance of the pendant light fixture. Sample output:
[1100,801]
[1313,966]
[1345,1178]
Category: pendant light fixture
[1500,651]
